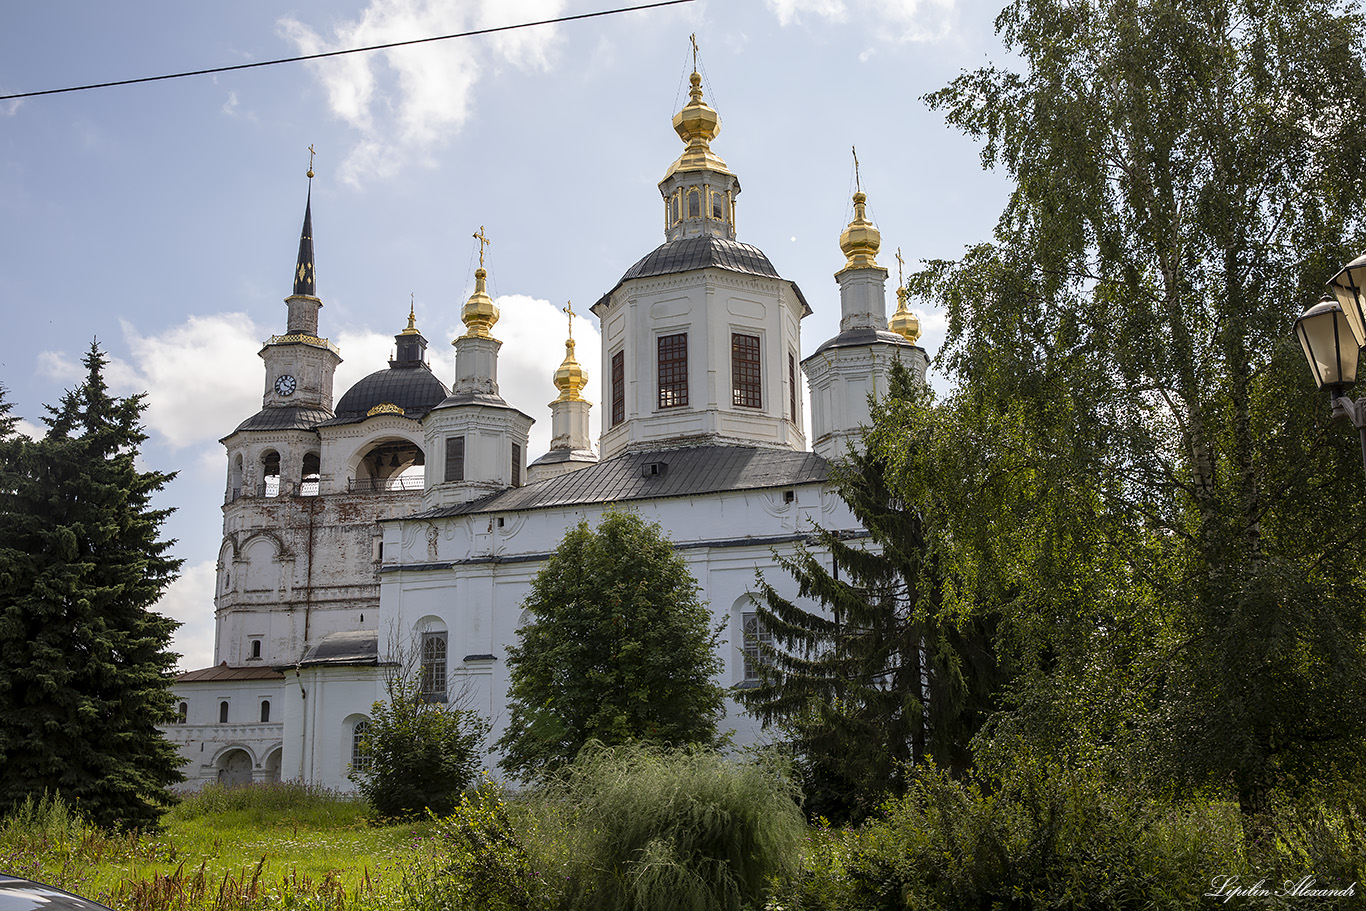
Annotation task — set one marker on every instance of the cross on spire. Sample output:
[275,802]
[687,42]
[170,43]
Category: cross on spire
[858,187]
[693,39]
[900,279]
[569,309]
[483,242]
[311,153]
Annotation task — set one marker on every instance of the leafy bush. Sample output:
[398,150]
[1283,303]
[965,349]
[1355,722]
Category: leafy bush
[681,830]
[493,861]
[422,755]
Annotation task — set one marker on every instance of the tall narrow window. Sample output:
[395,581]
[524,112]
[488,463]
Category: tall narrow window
[256,649]
[754,635]
[673,370]
[618,388]
[270,474]
[223,712]
[694,203]
[792,385]
[265,711]
[455,458]
[516,464]
[183,713]
[746,381]
[718,206]
[360,747]
[434,666]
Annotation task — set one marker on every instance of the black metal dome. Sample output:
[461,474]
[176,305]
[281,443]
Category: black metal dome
[705,252]
[411,387]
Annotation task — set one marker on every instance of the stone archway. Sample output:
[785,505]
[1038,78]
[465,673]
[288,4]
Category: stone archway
[272,766]
[234,768]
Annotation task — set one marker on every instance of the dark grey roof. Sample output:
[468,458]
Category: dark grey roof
[412,387]
[293,417]
[556,456]
[706,252]
[680,473]
[857,338]
[475,398]
[356,647]
[223,672]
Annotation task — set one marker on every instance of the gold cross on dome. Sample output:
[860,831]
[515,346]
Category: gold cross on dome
[569,309]
[311,153]
[693,39]
[900,279]
[483,242]
[858,187]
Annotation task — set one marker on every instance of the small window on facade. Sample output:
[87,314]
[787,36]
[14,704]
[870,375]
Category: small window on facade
[677,207]
[182,713]
[360,749]
[265,711]
[694,204]
[718,206]
[455,458]
[256,648]
[618,388]
[754,636]
[223,712]
[516,464]
[792,385]
[746,380]
[312,476]
[673,370]
[434,666]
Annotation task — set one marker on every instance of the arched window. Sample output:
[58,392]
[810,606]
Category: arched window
[256,649]
[434,666]
[223,712]
[360,749]
[312,476]
[270,474]
[182,713]
[694,203]
[265,711]
[235,478]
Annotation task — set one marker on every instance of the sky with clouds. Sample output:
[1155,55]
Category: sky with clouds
[162,219]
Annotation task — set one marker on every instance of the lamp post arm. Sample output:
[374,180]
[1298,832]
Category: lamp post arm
[1354,411]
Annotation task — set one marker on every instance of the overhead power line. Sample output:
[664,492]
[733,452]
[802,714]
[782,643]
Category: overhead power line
[353,50]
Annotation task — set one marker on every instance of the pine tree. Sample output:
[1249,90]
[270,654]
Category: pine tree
[882,679]
[85,666]
[618,651]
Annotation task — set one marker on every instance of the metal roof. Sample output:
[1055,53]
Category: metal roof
[705,252]
[654,475]
[858,338]
[354,647]
[293,417]
[223,672]
[411,386]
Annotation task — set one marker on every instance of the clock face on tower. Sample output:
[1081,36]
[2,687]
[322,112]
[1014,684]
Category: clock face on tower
[285,385]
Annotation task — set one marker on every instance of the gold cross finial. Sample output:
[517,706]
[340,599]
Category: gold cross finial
[858,187]
[569,309]
[311,153]
[483,242]
[900,279]
[693,39]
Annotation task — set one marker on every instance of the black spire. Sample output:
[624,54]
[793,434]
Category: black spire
[304,285]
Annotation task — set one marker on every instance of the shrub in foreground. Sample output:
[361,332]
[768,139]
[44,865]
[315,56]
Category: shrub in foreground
[678,830]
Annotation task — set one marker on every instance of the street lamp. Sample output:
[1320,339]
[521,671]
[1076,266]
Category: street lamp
[1332,344]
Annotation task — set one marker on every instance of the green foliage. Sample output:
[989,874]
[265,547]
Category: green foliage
[886,675]
[492,860]
[422,755]
[263,802]
[677,830]
[618,650]
[1134,463]
[85,666]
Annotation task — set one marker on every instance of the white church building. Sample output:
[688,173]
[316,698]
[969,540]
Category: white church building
[406,517]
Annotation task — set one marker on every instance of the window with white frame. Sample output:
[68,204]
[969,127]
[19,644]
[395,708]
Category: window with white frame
[434,666]
[753,636]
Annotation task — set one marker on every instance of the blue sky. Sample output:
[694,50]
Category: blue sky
[163,218]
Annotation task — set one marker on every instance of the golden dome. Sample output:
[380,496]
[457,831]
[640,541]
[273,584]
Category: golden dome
[480,313]
[903,322]
[697,125]
[861,240]
[570,378]
[412,322]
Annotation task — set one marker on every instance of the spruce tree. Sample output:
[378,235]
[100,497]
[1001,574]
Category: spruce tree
[882,678]
[618,650]
[85,665]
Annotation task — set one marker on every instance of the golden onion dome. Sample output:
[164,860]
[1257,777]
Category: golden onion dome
[480,313]
[861,240]
[697,125]
[903,322]
[570,378]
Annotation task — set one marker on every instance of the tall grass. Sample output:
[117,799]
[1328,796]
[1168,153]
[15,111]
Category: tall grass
[676,831]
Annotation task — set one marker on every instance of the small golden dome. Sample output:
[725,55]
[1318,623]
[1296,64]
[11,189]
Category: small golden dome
[903,322]
[412,322]
[697,125]
[861,240]
[480,313]
[570,378]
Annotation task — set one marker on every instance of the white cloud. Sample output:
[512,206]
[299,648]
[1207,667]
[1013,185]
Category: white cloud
[193,375]
[898,21]
[31,430]
[189,599]
[405,102]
